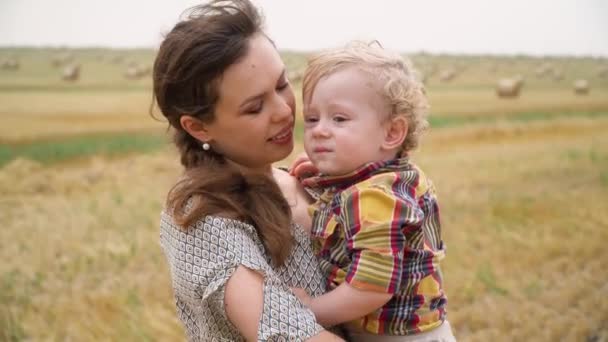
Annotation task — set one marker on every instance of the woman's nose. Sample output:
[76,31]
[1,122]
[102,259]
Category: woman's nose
[284,108]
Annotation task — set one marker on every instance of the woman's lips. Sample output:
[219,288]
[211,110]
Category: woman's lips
[284,136]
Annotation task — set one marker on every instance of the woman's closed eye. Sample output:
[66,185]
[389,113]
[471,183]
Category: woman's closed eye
[258,106]
[283,85]
[255,108]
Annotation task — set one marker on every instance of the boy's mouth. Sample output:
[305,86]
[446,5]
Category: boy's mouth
[321,150]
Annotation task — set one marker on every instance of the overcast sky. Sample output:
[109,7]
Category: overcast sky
[538,27]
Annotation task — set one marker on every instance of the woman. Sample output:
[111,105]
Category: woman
[231,228]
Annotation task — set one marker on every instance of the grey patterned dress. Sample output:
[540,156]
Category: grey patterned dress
[203,258]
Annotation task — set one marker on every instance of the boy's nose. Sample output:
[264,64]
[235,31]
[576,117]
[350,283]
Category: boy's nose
[320,130]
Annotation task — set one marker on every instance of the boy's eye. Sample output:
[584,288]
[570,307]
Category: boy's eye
[339,118]
[310,119]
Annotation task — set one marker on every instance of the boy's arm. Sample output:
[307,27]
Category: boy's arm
[343,304]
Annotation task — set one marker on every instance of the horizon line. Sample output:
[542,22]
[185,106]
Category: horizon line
[305,51]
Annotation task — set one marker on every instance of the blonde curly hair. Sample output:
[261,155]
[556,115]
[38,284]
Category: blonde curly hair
[404,93]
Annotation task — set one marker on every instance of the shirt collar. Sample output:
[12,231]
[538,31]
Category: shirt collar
[358,175]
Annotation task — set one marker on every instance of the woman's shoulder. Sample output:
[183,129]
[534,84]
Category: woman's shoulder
[212,224]
[211,236]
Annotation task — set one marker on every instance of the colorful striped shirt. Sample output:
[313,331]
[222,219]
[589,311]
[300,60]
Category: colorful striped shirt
[378,229]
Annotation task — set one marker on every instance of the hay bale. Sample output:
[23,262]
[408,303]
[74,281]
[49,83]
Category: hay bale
[71,73]
[508,87]
[10,64]
[447,75]
[117,59]
[558,75]
[431,70]
[61,59]
[520,80]
[581,87]
[421,76]
[543,70]
[133,73]
[136,71]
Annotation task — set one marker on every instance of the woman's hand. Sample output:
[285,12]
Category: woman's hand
[302,167]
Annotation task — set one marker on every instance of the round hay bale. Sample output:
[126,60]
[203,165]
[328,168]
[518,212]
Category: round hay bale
[508,87]
[136,71]
[431,70]
[447,75]
[10,64]
[117,59]
[71,73]
[543,70]
[421,76]
[520,80]
[61,59]
[581,87]
[558,75]
[133,73]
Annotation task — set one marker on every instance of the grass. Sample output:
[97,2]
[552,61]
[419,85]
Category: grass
[522,246]
[522,186]
[72,88]
[62,149]
[450,121]
[84,146]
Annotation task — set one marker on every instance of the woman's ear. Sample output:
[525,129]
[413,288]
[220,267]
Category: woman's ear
[195,128]
[395,133]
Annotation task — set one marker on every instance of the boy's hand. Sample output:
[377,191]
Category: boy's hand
[302,167]
[302,296]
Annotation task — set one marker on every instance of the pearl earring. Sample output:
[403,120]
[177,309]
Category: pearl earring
[206,146]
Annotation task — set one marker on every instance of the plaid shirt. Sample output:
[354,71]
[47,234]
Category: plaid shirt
[378,229]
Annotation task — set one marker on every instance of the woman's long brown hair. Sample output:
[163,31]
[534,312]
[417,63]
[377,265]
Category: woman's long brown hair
[187,71]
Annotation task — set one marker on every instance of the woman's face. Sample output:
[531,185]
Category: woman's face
[254,116]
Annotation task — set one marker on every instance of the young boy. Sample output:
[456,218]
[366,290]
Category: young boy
[376,224]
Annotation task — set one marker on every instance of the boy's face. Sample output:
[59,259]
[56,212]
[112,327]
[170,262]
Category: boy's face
[345,122]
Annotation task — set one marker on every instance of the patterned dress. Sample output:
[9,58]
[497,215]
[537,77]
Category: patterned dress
[202,259]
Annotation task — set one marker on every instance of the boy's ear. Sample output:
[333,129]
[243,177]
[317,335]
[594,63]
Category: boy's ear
[195,128]
[395,133]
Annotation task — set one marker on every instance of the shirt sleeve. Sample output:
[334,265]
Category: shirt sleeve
[377,225]
[284,318]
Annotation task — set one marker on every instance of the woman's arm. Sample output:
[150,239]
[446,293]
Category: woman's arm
[244,302]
